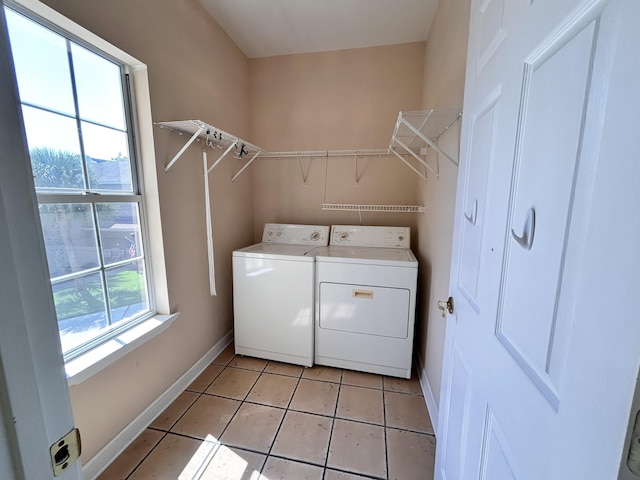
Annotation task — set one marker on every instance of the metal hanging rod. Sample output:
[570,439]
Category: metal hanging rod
[382,152]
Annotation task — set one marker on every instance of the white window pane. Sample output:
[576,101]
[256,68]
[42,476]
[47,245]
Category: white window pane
[42,64]
[127,289]
[119,225]
[54,149]
[69,237]
[107,154]
[80,307]
[98,82]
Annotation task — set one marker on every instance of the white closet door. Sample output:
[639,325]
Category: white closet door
[541,354]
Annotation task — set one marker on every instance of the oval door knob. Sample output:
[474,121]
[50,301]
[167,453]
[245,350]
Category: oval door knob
[445,307]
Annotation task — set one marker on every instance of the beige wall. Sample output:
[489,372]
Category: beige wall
[195,71]
[346,99]
[444,68]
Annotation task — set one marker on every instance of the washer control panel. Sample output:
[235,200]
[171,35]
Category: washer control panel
[366,236]
[296,234]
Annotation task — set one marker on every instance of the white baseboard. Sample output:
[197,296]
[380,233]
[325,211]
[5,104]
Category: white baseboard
[115,447]
[432,406]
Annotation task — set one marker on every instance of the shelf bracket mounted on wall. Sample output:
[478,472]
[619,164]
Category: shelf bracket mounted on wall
[193,138]
[304,172]
[211,138]
[417,131]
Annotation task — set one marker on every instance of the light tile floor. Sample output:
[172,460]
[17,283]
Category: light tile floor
[249,419]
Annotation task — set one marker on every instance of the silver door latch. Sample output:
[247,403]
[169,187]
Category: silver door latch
[65,451]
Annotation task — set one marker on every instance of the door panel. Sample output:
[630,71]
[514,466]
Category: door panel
[495,459]
[458,412]
[555,86]
[481,148]
[491,33]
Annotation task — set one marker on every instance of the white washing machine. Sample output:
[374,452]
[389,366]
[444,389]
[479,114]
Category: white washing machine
[366,300]
[273,293]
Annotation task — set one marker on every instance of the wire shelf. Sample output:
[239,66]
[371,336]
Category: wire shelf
[206,133]
[417,131]
[413,127]
[352,207]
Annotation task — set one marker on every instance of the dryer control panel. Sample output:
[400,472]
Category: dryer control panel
[292,234]
[367,236]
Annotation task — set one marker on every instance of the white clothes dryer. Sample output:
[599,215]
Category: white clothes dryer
[273,293]
[366,299]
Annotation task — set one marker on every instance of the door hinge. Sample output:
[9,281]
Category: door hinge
[65,451]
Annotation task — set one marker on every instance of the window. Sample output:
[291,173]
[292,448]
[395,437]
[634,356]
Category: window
[78,122]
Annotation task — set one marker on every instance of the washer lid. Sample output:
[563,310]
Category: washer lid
[278,250]
[402,257]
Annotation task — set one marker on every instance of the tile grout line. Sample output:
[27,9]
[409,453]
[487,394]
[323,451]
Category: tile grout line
[164,434]
[384,420]
[219,440]
[383,426]
[241,401]
[200,394]
[306,462]
[275,437]
[333,424]
[363,422]
[417,432]
[358,475]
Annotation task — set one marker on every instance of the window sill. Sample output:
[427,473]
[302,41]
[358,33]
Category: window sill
[83,367]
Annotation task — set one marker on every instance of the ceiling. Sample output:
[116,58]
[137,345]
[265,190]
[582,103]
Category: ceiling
[264,28]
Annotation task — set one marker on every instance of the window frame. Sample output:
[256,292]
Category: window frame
[97,353]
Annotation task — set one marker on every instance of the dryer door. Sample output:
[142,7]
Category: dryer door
[365,309]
